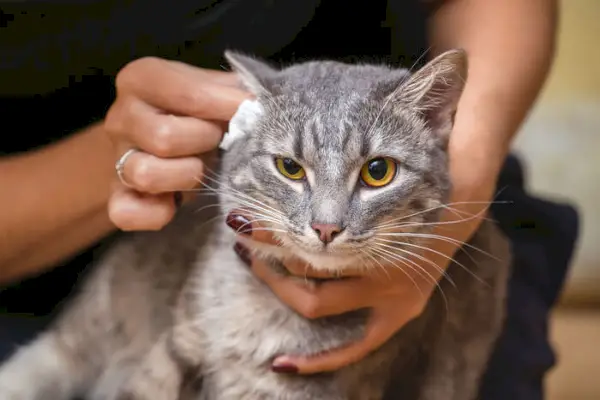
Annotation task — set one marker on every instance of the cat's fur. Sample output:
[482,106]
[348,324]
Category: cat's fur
[168,314]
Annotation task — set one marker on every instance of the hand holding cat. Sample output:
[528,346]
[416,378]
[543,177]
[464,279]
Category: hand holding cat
[183,114]
[395,296]
[166,114]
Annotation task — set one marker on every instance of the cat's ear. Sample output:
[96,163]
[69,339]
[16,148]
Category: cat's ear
[435,89]
[255,74]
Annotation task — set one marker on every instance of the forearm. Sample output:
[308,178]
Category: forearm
[510,44]
[54,249]
[53,203]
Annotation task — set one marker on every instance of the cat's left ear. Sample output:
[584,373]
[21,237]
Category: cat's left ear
[255,74]
[435,89]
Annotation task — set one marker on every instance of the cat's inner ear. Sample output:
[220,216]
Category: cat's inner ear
[435,89]
[255,74]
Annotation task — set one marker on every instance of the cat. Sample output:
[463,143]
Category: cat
[176,314]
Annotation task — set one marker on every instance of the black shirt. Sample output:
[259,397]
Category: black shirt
[58,62]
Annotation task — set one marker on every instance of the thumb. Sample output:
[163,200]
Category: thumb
[377,332]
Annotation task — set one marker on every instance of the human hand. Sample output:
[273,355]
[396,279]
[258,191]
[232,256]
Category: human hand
[395,297]
[172,114]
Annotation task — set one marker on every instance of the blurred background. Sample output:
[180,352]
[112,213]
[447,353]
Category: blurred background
[560,146]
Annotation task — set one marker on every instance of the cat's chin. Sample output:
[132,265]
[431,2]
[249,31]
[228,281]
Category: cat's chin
[327,261]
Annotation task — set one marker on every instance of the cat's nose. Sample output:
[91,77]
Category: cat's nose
[327,232]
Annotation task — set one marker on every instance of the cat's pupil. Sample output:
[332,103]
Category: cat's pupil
[378,169]
[291,167]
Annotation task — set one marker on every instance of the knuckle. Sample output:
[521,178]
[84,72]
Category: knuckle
[130,74]
[143,177]
[163,140]
[310,307]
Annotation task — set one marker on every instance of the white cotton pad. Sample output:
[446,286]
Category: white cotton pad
[241,122]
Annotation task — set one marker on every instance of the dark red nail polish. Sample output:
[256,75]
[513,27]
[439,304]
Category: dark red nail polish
[284,369]
[243,252]
[178,199]
[239,224]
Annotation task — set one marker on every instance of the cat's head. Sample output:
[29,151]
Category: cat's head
[345,163]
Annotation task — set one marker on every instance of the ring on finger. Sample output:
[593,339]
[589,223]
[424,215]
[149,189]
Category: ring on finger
[120,166]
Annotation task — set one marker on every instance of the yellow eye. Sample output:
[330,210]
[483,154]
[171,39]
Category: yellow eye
[378,172]
[290,168]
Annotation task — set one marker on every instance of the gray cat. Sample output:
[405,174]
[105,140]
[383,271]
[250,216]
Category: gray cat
[347,165]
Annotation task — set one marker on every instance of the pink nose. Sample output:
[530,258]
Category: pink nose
[326,232]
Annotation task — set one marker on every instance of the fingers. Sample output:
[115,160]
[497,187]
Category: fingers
[172,112]
[153,175]
[131,210]
[183,91]
[315,301]
[311,301]
[133,122]
[379,329]
[389,312]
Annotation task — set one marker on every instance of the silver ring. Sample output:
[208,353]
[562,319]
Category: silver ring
[120,166]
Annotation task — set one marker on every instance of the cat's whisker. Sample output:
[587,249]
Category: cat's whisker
[419,268]
[252,209]
[211,219]
[225,189]
[449,258]
[257,217]
[377,263]
[419,59]
[461,213]
[456,212]
[205,207]
[246,199]
[435,224]
[420,257]
[436,237]
[269,229]
[405,217]
[391,261]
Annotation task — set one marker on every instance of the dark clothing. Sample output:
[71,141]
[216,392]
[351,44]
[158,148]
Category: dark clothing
[57,68]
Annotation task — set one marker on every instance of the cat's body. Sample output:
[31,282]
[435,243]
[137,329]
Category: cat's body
[165,309]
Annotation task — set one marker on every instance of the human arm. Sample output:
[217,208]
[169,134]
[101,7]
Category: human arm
[53,202]
[58,197]
[510,45]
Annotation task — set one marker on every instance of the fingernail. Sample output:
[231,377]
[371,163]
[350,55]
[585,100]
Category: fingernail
[239,224]
[284,369]
[178,199]
[243,252]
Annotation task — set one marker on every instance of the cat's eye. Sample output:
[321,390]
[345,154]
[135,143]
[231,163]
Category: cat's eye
[289,168]
[378,172]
